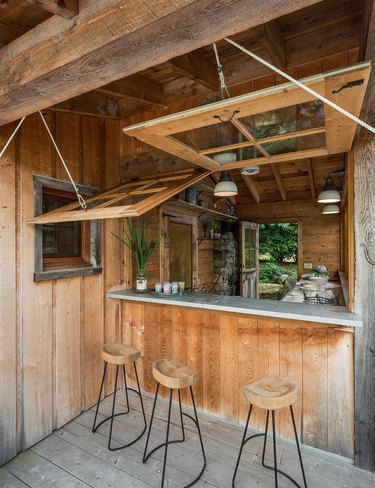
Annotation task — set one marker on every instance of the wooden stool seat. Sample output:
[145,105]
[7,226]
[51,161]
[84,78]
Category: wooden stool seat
[119,353]
[173,374]
[272,393]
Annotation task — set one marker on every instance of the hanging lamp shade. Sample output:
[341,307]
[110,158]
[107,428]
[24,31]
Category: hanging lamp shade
[225,187]
[331,209]
[329,193]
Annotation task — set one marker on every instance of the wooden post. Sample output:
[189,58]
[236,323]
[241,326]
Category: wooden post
[364,212]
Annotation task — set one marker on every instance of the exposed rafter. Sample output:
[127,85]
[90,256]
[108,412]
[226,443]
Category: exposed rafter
[249,182]
[279,181]
[90,104]
[274,44]
[198,68]
[64,8]
[311,178]
[136,87]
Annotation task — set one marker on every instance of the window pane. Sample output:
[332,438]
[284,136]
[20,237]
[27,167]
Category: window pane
[180,253]
[60,240]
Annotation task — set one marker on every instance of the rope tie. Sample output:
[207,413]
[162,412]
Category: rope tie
[223,87]
[80,198]
[304,87]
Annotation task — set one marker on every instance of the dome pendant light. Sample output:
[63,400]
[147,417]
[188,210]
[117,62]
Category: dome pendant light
[225,187]
[329,193]
[331,209]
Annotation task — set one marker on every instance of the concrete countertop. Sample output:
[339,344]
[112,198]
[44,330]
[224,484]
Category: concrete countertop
[267,308]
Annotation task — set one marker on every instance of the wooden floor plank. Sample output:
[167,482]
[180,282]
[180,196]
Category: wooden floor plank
[94,472]
[75,457]
[8,480]
[38,472]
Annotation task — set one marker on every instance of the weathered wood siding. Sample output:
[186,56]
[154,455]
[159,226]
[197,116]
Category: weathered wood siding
[51,332]
[230,350]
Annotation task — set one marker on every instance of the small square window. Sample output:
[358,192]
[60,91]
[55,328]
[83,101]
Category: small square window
[65,249]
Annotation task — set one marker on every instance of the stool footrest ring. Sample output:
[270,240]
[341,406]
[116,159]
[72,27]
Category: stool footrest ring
[168,442]
[114,415]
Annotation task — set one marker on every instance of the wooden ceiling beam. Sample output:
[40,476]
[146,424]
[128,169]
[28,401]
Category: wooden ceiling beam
[311,178]
[90,104]
[137,88]
[249,182]
[279,181]
[274,44]
[196,67]
[64,8]
[113,39]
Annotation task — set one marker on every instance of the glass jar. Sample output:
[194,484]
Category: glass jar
[141,281]
[174,286]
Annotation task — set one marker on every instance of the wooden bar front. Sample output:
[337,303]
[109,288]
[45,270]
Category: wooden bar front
[230,350]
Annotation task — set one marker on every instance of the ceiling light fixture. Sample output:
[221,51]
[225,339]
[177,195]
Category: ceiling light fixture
[329,193]
[225,187]
[250,170]
[331,209]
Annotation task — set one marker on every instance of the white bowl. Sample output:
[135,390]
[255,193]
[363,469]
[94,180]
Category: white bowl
[319,280]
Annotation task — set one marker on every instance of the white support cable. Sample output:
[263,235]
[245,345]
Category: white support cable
[80,198]
[304,87]
[223,87]
[11,137]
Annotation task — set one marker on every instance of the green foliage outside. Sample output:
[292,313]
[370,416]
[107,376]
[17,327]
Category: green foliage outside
[271,272]
[279,241]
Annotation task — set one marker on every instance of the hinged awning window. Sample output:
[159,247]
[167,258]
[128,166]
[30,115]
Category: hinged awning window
[277,124]
[132,199]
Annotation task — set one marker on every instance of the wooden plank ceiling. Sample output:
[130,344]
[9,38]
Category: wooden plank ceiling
[110,39]
[305,38]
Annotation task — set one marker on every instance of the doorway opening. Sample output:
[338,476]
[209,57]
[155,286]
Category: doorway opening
[278,259]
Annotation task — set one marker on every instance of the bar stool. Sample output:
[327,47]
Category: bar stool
[271,393]
[120,355]
[175,376]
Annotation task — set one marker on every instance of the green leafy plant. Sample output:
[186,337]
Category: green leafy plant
[213,225]
[270,273]
[142,242]
[279,241]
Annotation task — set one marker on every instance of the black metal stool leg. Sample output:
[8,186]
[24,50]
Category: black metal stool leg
[145,455]
[100,395]
[181,417]
[126,389]
[200,438]
[167,438]
[140,395]
[242,445]
[298,447]
[113,410]
[265,438]
[274,447]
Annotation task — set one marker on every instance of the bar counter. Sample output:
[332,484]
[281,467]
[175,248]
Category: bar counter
[232,341]
[266,308]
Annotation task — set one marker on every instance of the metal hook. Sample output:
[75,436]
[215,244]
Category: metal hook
[367,254]
[229,118]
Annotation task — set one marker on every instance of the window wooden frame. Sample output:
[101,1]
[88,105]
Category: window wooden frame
[338,129]
[89,263]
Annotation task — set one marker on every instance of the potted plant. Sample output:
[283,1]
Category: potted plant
[319,275]
[213,228]
[142,243]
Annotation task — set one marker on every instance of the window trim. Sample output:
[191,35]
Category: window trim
[95,268]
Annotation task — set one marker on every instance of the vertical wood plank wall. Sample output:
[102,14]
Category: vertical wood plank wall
[51,332]
[230,350]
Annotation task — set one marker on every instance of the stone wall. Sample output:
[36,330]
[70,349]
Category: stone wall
[225,264]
